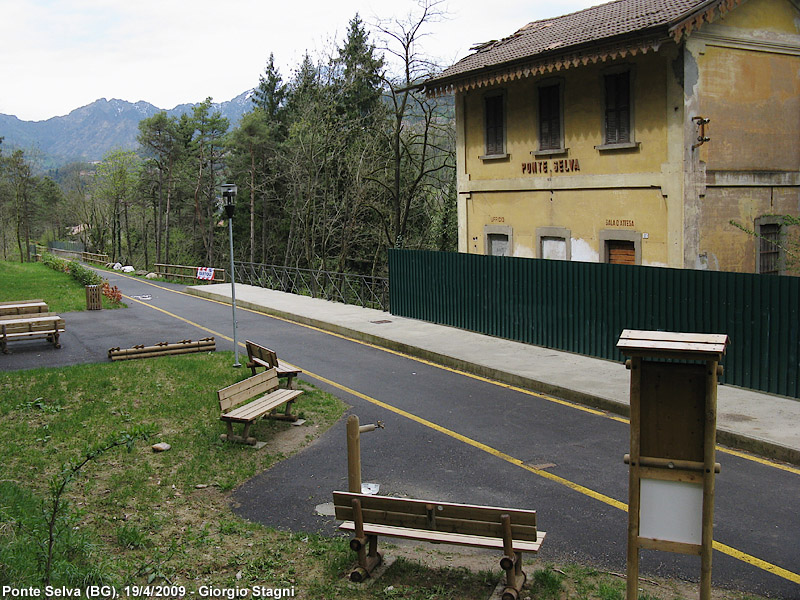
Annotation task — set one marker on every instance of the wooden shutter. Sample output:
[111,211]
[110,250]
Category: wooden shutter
[549,118]
[620,252]
[618,108]
[769,250]
[495,125]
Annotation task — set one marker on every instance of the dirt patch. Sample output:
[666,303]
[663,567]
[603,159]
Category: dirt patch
[291,439]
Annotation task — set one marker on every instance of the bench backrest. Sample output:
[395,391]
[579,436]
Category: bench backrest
[262,353]
[437,516]
[245,390]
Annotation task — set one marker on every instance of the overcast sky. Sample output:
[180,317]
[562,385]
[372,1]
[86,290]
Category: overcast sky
[58,55]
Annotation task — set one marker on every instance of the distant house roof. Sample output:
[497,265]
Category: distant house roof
[607,31]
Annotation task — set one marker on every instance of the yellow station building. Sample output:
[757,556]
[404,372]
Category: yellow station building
[635,132]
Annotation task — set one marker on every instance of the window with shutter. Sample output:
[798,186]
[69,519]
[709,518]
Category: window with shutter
[618,246]
[495,124]
[618,108]
[770,254]
[620,252]
[550,118]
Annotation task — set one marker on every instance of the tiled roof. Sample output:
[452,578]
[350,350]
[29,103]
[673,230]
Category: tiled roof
[605,24]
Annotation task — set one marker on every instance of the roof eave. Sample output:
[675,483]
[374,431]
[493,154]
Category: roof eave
[706,12]
[556,60]
[677,30]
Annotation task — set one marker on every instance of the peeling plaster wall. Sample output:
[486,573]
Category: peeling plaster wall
[693,167]
[749,88]
[583,251]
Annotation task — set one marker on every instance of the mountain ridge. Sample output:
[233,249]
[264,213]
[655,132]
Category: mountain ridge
[89,132]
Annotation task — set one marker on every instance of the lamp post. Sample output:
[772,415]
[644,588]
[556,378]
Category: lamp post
[228,195]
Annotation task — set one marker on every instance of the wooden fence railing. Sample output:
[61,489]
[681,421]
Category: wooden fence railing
[97,259]
[209,274]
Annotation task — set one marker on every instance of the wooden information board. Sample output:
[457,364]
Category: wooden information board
[673,400]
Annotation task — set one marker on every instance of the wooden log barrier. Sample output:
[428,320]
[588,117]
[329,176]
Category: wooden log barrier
[162,349]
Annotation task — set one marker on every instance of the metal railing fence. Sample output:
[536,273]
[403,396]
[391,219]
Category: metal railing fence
[347,288]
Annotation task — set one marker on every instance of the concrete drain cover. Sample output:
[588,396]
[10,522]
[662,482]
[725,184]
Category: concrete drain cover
[325,510]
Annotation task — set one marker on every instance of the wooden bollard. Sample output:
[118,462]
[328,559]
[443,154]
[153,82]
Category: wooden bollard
[365,545]
[353,455]
[354,431]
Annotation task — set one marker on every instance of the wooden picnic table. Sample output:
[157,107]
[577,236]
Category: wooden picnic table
[47,325]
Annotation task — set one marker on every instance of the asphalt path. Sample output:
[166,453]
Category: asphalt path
[454,437]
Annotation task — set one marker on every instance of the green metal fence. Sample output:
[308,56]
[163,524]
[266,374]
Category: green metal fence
[583,307]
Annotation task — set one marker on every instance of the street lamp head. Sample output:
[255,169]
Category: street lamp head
[229,195]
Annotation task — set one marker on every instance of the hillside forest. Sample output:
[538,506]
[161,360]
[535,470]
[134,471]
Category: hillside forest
[342,161]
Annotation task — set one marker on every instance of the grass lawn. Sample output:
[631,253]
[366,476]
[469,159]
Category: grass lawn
[138,517]
[141,516]
[27,281]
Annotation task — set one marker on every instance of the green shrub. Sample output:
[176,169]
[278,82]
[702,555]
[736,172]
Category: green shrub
[83,275]
[78,272]
[55,263]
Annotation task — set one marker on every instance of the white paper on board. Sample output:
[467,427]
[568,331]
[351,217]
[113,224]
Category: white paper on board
[671,511]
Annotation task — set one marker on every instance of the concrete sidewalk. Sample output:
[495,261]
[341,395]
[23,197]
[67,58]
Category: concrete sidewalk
[761,423]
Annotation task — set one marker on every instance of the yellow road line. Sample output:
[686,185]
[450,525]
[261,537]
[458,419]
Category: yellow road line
[720,547]
[757,562]
[475,444]
[174,316]
[729,451]
[723,548]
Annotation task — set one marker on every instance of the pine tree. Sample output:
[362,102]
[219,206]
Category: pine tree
[359,72]
[269,95]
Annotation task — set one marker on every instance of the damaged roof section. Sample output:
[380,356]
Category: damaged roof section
[600,33]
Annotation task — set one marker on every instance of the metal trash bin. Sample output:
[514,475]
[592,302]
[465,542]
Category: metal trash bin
[94,297]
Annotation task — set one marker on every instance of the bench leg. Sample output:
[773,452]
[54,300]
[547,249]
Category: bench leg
[365,545]
[229,435]
[246,439]
[515,576]
[241,439]
[511,563]
[287,413]
[368,557]
[4,339]
[291,382]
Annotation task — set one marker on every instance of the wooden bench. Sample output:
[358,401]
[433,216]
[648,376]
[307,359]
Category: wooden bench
[249,400]
[259,356]
[47,325]
[23,307]
[511,530]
